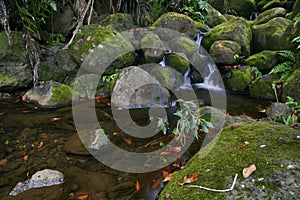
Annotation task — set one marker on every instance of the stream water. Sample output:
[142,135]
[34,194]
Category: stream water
[33,139]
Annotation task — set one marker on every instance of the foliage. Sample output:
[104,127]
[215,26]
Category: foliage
[195,9]
[33,13]
[188,123]
[284,68]
[295,116]
[255,71]
[110,78]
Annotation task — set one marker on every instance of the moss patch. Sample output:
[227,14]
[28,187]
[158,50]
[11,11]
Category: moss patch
[61,93]
[217,169]
[240,79]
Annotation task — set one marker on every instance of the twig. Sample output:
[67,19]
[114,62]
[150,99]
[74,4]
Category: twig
[91,12]
[79,25]
[214,190]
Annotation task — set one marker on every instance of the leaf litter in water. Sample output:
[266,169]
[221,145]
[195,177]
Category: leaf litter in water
[187,179]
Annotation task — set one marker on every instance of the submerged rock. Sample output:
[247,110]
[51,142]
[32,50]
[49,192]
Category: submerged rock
[46,177]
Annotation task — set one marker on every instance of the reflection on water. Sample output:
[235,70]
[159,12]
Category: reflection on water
[33,139]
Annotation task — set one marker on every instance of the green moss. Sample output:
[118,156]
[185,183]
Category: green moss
[178,61]
[262,87]
[291,86]
[217,169]
[61,93]
[6,80]
[184,45]
[263,60]
[240,79]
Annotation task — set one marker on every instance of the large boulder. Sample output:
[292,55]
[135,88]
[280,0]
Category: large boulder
[267,36]
[237,30]
[261,87]
[177,22]
[153,48]
[15,69]
[241,8]
[291,86]
[104,44]
[272,147]
[50,71]
[213,16]
[264,60]
[119,21]
[240,79]
[224,52]
[266,16]
[178,61]
[183,45]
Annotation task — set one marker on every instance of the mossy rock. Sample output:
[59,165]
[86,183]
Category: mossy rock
[261,87]
[291,86]
[267,15]
[224,52]
[239,7]
[273,148]
[50,71]
[183,45]
[178,61]
[153,48]
[201,26]
[102,48]
[177,22]
[264,60]
[240,79]
[296,9]
[61,93]
[287,37]
[15,52]
[119,21]
[235,30]
[213,17]
[267,36]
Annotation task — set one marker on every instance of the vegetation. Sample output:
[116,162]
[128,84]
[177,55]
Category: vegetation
[293,118]
[188,123]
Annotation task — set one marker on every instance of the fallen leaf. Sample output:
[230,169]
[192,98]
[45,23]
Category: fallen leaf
[248,170]
[168,177]
[54,119]
[89,38]
[25,158]
[176,149]
[128,141]
[69,158]
[43,135]
[156,183]
[108,104]
[57,141]
[220,46]
[137,186]
[246,143]
[234,126]
[262,111]
[83,197]
[187,179]
[165,173]
[3,162]
[165,153]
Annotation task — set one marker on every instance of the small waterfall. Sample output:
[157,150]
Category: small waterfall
[253,16]
[186,76]
[199,40]
[163,62]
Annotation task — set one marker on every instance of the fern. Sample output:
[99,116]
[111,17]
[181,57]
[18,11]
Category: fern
[291,56]
[282,67]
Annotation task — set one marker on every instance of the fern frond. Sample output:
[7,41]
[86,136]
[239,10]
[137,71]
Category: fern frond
[291,56]
[282,67]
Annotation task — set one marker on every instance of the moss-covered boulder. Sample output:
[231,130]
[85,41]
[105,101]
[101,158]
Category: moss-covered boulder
[237,30]
[50,71]
[296,9]
[107,46]
[272,148]
[278,110]
[183,45]
[119,21]
[267,36]
[178,61]
[264,60]
[50,95]
[213,16]
[240,79]
[266,16]
[241,8]
[201,26]
[287,37]
[291,86]
[177,22]
[224,52]
[269,4]
[153,48]
[261,87]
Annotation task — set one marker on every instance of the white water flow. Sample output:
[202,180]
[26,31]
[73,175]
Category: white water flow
[163,62]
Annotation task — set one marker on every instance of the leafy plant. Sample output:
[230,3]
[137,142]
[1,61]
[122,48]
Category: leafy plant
[255,71]
[295,116]
[195,9]
[188,123]
[110,78]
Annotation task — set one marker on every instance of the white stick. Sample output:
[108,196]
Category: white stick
[214,190]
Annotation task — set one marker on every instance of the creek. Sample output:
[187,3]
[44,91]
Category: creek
[33,139]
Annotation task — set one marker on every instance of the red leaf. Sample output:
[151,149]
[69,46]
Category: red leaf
[128,141]
[55,119]
[165,153]
[156,183]
[137,186]
[176,149]
[188,179]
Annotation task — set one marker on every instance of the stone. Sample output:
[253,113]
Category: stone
[213,16]
[267,36]
[49,95]
[264,60]
[278,110]
[153,48]
[50,71]
[46,177]
[240,79]
[177,22]
[183,45]
[261,87]
[178,61]
[75,146]
[267,15]
[237,30]
[224,52]
[65,61]
[119,21]
[291,86]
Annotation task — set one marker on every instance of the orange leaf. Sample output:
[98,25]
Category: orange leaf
[25,158]
[89,38]
[165,153]
[168,177]
[54,119]
[128,141]
[156,183]
[176,149]
[83,197]
[3,162]
[39,144]
[188,179]
[57,141]
[165,173]
[248,170]
[137,186]
[220,46]
[108,104]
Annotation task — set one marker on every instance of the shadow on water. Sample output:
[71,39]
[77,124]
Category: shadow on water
[42,134]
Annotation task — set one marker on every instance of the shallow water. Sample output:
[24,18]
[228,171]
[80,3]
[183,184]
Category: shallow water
[32,139]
